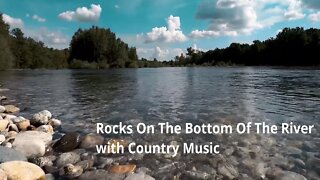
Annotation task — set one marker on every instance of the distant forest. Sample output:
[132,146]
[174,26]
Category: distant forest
[99,48]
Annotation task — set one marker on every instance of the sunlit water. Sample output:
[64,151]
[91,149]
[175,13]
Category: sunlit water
[81,98]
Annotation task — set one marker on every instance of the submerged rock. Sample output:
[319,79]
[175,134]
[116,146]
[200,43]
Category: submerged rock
[67,158]
[139,176]
[68,142]
[101,175]
[20,170]
[288,175]
[71,171]
[91,140]
[11,109]
[121,169]
[7,154]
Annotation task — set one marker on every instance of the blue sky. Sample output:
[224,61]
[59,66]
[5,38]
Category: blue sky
[161,29]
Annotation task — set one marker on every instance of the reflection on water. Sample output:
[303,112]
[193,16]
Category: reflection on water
[200,95]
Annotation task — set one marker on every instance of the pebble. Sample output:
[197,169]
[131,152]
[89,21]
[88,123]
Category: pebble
[2,109]
[23,125]
[288,175]
[3,125]
[55,123]
[41,118]
[139,176]
[122,169]
[91,140]
[11,109]
[20,170]
[197,175]
[67,158]
[3,175]
[70,171]
[101,175]
[7,154]
[2,138]
[46,128]
[68,142]
[30,147]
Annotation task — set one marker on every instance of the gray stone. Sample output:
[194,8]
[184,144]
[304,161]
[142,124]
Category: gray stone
[91,140]
[139,176]
[2,109]
[67,158]
[71,171]
[197,175]
[41,118]
[7,154]
[288,175]
[101,175]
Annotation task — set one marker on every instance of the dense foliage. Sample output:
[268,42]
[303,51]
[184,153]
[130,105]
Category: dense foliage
[102,48]
[20,52]
[291,47]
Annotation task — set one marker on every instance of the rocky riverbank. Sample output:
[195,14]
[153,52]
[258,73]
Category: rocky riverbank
[36,148]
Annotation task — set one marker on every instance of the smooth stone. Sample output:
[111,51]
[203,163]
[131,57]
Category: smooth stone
[17,119]
[2,138]
[11,109]
[101,175]
[121,169]
[20,170]
[85,164]
[34,135]
[309,146]
[43,161]
[67,158]
[46,128]
[41,118]
[91,140]
[71,171]
[139,176]
[50,177]
[68,142]
[30,148]
[227,170]
[23,125]
[7,145]
[13,127]
[9,117]
[3,175]
[288,175]
[51,169]
[7,154]
[3,125]
[55,123]
[3,98]
[2,109]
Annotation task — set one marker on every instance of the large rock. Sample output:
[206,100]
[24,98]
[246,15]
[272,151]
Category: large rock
[288,175]
[11,109]
[32,143]
[3,175]
[3,125]
[91,140]
[33,135]
[2,109]
[67,158]
[41,118]
[7,154]
[139,176]
[68,142]
[23,124]
[20,170]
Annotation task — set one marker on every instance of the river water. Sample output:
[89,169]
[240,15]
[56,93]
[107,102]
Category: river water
[82,98]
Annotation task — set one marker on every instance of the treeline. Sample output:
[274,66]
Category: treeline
[291,47]
[17,51]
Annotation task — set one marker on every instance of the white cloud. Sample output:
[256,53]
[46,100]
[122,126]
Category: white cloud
[83,14]
[171,33]
[159,53]
[13,22]
[53,39]
[294,11]
[314,17]
[38,18]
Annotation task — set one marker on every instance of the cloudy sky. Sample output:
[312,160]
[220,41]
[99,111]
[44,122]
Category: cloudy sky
[161,28]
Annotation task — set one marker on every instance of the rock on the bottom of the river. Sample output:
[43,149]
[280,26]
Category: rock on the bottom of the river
[20,170]
[71,171]
[91,140]
[68,142]
[11,109]
[139,176]
[8,154]
[101,175]
[3,175]
[288,175]
[67,158]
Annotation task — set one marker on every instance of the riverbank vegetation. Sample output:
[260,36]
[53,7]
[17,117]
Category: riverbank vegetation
[99,48]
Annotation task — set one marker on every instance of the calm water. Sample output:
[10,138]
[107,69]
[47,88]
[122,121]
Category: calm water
[81,98]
